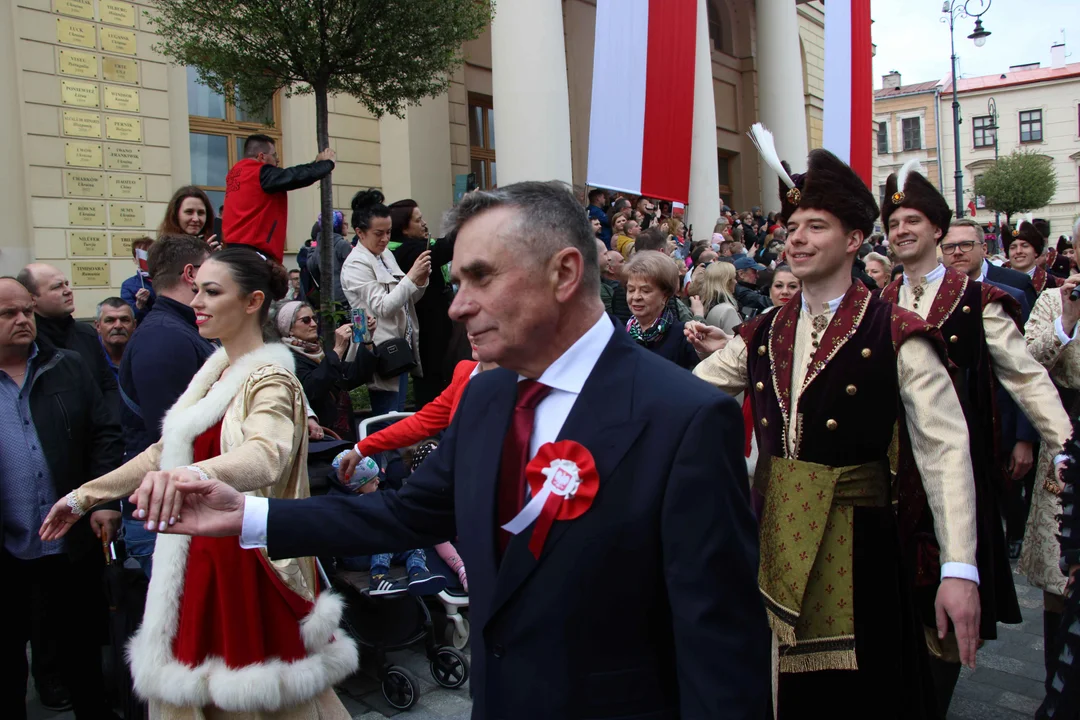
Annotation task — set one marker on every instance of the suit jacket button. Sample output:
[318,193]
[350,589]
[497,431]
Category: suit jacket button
[759,386]
[954,339]
[498,650]
[764,422]
[831,424]
[866,352]
[761,350]
[851,389]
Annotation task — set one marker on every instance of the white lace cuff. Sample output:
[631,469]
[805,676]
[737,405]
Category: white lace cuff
[73,504]
[198,471]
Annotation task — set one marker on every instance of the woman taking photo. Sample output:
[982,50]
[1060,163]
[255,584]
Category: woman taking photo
[652,279]
[227,633]
[374,282]
[713,295]
[189,213]
[326,376]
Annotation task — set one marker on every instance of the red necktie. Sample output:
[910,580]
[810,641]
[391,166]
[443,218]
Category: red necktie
[515,455]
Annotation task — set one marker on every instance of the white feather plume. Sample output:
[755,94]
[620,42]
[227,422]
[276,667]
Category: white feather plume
[766,146]
[902,176]
[1027,217]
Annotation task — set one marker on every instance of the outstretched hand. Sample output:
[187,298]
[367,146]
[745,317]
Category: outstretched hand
[59,520]
[706,339]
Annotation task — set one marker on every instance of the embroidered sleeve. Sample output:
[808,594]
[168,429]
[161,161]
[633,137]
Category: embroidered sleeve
[118,484]
[727,368]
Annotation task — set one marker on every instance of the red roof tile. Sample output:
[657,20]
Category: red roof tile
[1017,77]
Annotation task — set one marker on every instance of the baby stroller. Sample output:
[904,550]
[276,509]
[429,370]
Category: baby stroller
[381,624]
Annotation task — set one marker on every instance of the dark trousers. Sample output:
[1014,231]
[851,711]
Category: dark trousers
[72,602]
[1017,502]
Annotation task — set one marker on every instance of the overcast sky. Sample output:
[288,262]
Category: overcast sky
[911,40]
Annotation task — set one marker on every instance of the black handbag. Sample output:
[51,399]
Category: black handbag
[393,357]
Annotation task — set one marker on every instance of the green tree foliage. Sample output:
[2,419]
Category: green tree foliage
[1022,181]
[384,53]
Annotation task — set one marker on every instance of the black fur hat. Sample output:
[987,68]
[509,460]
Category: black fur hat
[1026,231]
[909,188]
[830,184]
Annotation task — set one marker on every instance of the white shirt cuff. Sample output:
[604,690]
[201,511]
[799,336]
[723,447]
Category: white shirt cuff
[253,532]
[1059,330]
[949,569]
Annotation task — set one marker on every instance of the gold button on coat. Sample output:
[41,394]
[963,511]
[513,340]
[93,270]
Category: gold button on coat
[831,424]
[760,386]
[764,422]
[866,352]
[761,350]
[851,389]
[953,339]
[966,308]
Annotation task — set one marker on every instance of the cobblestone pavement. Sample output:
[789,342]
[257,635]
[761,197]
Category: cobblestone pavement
[1007,684]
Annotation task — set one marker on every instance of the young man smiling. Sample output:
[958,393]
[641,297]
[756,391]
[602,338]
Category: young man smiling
[830,375]
[979,322]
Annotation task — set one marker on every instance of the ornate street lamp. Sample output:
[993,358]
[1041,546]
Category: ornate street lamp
[954,9]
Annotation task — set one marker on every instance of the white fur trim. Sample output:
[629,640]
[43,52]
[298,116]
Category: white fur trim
[266,687]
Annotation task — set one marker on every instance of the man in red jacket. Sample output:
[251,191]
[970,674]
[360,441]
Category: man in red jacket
[256,204]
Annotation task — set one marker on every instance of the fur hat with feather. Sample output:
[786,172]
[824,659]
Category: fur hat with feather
[909,188]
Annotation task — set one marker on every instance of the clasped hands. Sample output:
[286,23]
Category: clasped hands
[175,501]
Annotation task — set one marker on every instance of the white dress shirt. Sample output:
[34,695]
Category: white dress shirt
[566,377]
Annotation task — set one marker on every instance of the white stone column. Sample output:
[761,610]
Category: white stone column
[704,204]
[781,100]
[529,92]
[415,156]
[179,135]
[15,248]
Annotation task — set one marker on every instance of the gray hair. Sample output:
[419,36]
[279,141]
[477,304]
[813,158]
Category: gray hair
[549,220]
[113,302]
[980,234]
[878,257]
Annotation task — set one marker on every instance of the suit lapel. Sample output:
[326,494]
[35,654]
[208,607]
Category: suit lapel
[602,420]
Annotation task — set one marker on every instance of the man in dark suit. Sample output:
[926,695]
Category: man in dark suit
[969,257]
[647,604]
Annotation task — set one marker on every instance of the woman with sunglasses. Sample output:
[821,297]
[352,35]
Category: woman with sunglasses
[327,376]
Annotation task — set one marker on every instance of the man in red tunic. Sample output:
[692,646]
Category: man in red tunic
[256,204]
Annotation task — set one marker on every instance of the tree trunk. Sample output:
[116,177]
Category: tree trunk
[326,234]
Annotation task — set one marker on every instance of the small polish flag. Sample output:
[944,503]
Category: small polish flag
[143,260]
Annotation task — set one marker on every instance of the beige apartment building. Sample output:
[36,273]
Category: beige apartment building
[1037,108]
[100,129]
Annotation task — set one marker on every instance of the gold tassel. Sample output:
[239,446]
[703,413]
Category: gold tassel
[785,632]
[815,662]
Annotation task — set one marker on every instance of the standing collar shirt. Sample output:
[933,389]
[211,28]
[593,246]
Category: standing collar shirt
[26,486]
[566,377]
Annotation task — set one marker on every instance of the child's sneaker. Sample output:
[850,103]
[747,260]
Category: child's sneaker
[422,582]
[382,585]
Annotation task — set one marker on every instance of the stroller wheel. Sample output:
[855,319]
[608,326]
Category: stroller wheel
[450,668]
[400,687]
[459,634]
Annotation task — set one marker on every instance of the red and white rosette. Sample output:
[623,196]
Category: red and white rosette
[563,481]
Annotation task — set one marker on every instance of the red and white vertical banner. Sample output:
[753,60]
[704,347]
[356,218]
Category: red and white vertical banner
[143,259]
[641,122]
[849,85]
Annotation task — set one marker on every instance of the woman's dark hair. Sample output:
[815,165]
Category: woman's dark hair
[171,224]
[400,217]
[368,204]
[253,271]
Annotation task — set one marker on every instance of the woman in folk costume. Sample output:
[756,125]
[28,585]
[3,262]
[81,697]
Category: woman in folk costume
[227,632]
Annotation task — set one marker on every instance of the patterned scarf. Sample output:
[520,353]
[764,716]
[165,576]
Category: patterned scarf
[653,334]
[312,351]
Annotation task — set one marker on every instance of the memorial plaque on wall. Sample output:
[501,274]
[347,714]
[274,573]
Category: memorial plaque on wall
[131,187]
[89,274]
[121,243]
[93,244]
[80,154]
[75,32]
[124,70]
[77,8]
[127,215]
[79,94]
[123,157]
[78,63]
[78,123]
[86,213]
[118,41]
[90,184]
[121,98]
[123,127]
[117,13]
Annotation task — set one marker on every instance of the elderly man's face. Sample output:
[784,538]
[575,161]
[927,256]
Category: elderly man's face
[115,325]
[17,328]
[507,301]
